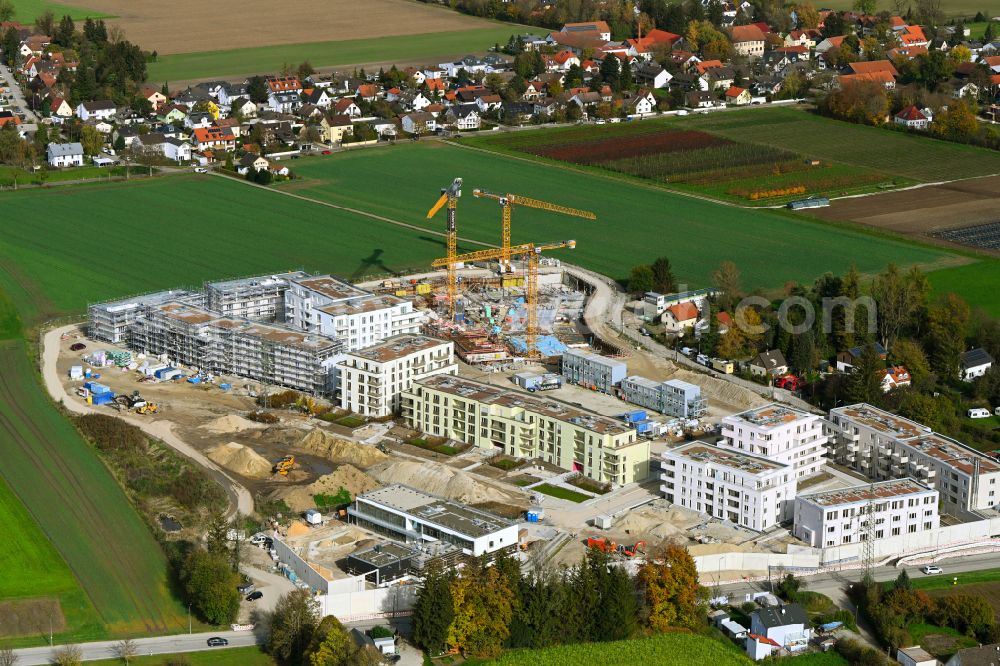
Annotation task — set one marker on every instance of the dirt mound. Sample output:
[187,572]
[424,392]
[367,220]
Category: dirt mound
[321,443]
[720,390]
[241,459]
[438,479]
[349,477]
[231,423]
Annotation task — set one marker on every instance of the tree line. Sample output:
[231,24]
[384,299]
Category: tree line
[483,609]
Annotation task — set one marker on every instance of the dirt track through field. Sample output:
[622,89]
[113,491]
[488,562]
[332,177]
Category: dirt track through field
[187,26]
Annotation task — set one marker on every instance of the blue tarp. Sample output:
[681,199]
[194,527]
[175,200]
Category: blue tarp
[547,345]
[830,626]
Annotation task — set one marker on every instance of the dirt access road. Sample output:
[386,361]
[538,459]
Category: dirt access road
[241,501]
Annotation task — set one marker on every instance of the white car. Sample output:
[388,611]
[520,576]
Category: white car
[200,170]
[932,569]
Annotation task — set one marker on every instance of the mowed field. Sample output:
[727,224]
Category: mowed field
[672,649]
[957,8]
[27,11]
[636,222]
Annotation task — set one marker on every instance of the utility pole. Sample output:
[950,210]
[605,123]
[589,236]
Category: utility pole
[189,619]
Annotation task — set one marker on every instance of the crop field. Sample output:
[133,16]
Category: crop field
[79,506]
[636,222]
[691,160]
[664,650]
[26,11]
[242,656]
[956,8]
[815,137]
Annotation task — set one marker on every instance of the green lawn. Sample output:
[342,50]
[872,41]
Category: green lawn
[973,282]
[426,48]
[636,222]
[951,8]
[816,659]
[26,11]
[561,493]
[944,581]
[662,650]
[11,175]
[242,656]
[907,155]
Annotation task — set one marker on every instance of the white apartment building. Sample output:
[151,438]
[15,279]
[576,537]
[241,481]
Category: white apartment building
[747,490]
[836,517]
[882,445]
[780,433]
[521,426]
[337,309]
[592,370]
[372,379]
[261,297]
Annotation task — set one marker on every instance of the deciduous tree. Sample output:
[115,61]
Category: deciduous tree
[727,279]
[483,611]
[947,323]
[293,627]
[671,593]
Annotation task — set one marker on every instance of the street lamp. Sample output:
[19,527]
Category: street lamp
[189,619]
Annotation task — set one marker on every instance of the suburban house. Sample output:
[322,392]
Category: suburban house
[463,116]
[64,154]
[252,161]
[597,29]
[771,362]
[242,106]
[895,377]
[153,96]
[60,108]
[680,316]
[772,628]
[170,147]
[738,96]
[283,84]
[319,97]
[700,99]
[642,103]
[974,363]
[912,118]
[748,40]
[847,359]
[347,107]
[214,137]
[870,66]
[651,74]
[100,110]
[284,102]
[420,122]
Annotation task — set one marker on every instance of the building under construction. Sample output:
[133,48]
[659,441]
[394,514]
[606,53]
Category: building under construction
[261,297]
[270,353]
[110,322]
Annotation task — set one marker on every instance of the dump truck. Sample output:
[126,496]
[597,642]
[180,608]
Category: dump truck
[284,465]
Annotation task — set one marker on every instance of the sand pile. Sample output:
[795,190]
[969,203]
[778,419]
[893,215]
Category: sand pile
[323,444]
[231,423]
[438,479]
[349,477]
[241,459]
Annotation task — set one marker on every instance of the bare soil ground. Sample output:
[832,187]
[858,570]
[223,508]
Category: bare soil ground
[923,211]
[184,26]
[30,616]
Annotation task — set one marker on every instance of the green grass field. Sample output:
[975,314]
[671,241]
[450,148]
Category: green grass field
[244,656]
[561,493]
[81,509]
[426,48]
[11,175]
[971,282]
[636,222]
[663,650]
[944,581]
[907,155]
[26,11]
[951,8]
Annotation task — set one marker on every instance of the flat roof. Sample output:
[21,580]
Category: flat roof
[492,395]
[438,511]
[703,452]
[398,347]
[275,279]
[863,493]
[361,304]
[952,453]
[771,416]
[132,302]
[644,382]
[881,420]
[331,287]
[384,554]
[593,356]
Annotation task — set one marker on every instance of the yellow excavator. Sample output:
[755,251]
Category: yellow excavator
[284,466]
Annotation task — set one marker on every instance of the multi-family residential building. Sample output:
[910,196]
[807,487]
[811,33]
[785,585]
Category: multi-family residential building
[492,417]
[335,308]
[836,517]
[371,380]
[261,297]
[744,489]
[881,445]
[404,514]
[780,433]
[672,397]
[110,322]
[592,370]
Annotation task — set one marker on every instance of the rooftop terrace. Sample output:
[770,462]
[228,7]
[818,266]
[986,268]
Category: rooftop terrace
[864,493]
[435,510]
[771,416]
[881,420]
[707,454]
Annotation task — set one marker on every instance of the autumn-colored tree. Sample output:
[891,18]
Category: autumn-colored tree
[958,121]
[947,323]
[483,612]
[960,53]
[672,598]
[727,280]
[863,102]
[910,355]
[807,15]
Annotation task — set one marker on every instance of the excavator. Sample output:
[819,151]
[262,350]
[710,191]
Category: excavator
[284,465]
[136,403]
[638,548]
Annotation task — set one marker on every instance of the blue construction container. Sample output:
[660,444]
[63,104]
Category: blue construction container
[163,371]
[195,379]
[96,388]
[103,398]
[225,387]
[642,427]
[635,416]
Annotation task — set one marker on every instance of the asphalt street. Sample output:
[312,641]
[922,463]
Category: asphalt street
[145,646]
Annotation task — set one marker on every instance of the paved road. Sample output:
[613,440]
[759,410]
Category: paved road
[240,498]
[146,646]
[15,91]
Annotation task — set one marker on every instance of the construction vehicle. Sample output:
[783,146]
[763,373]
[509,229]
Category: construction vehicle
[284,465]
[602,544]
[134,402]
[532,252]
[450,197]
[507,203]
[147,408]
[638,548]
[788,382]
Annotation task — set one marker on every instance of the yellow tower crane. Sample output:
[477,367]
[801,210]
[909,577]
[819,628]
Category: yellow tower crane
[450,196]
[507,203]
[532,252]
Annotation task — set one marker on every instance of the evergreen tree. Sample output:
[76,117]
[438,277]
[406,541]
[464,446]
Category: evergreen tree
[433,611]
[663,276]
[65,32]
[626,81]
[257,89]
[865,381]
[641,279]
[610,71]
[617,621]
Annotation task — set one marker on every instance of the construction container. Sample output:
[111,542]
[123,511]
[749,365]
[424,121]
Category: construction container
[96,389]
[635,416]
[528,380]
[76,372]
[423,289]
[314,517]
[102,398]
[603,522]
[644,427]
[195,379]
[402,292]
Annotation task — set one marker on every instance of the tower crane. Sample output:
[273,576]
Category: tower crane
[449,196]
[532,251]
[507,203]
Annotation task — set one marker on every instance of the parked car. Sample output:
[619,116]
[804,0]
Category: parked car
[246,588]
[326,152]
[687,351]
[77,346]
[217,641]
[932,569]
[254,596]
[704,360]
[200,170]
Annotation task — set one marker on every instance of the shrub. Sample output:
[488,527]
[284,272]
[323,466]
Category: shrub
[262,417]
[381,631]
[856,653]
[280,400]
